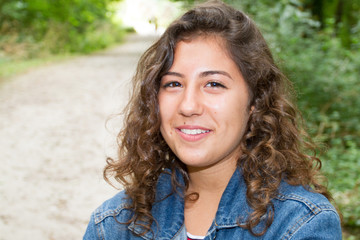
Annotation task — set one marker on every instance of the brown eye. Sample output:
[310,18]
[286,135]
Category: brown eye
[172,85]
[215,85]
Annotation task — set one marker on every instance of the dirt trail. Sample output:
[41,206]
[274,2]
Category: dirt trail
[53,141]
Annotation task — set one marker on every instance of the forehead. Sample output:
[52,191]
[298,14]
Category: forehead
[207,51]
[207,38]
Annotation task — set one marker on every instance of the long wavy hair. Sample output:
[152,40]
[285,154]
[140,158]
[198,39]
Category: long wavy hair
[274,148]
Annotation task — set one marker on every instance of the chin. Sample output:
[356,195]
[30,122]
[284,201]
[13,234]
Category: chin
[196,164]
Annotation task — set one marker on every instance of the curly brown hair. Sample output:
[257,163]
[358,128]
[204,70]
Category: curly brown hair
[274,148]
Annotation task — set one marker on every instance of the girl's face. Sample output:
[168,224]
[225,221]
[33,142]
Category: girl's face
[203,102]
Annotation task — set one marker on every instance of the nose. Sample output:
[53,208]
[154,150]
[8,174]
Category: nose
[191,103]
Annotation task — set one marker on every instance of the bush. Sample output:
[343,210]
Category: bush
[32,28]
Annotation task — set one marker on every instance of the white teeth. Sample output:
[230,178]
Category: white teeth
[194,131]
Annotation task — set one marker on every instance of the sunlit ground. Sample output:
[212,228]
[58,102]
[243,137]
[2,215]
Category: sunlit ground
[147,16]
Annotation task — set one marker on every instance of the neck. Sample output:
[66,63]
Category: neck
[211,180]
[209,183]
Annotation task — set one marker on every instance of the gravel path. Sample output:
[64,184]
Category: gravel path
[53,141]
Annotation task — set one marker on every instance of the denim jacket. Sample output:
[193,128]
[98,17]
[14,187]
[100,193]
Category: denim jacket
[299,214]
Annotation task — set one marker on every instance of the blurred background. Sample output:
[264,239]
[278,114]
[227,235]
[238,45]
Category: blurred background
[316,43]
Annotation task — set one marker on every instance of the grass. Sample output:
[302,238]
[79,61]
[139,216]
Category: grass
[10,67]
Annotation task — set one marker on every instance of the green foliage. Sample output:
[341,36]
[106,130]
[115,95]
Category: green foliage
[32,28]
[342,168]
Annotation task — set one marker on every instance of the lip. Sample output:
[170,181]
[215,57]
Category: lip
[195,137]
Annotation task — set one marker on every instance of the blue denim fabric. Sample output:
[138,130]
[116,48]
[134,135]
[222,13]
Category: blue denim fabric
[299,214]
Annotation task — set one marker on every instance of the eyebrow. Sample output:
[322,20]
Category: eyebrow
[174,74]
[203,74]
[207,73]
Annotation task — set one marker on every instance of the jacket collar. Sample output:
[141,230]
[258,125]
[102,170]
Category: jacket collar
[168,210]
[233,208]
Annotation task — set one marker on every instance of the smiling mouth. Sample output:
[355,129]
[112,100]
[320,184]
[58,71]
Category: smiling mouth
[194,131]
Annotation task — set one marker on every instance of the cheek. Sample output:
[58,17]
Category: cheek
[162,109]
[217,105]
[165,121]
[227,109]
[235,114]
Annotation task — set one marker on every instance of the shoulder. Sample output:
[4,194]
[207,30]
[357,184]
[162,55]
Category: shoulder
[105,221]
[302,213]
[306,197]
[115,206]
